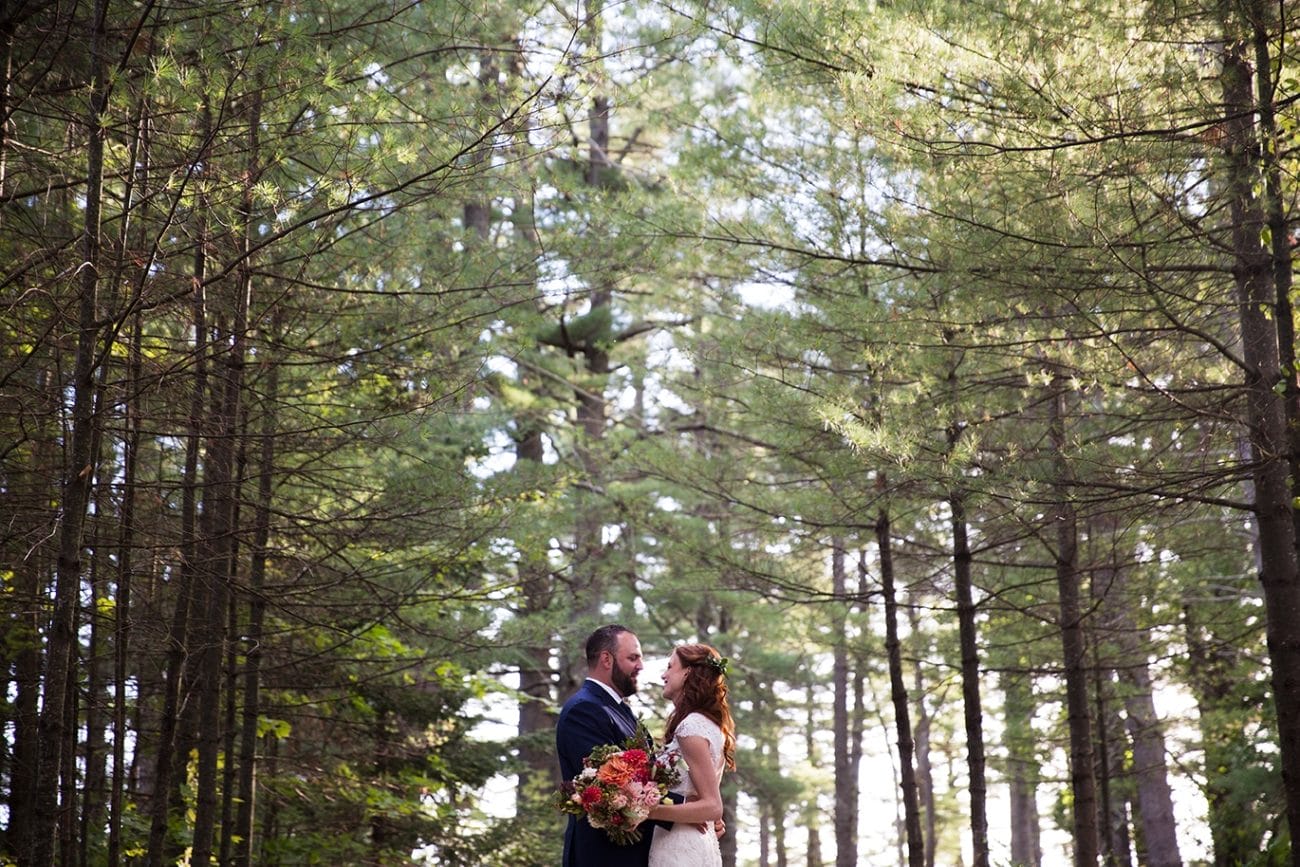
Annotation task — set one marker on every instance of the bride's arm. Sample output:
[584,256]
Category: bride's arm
[707,803]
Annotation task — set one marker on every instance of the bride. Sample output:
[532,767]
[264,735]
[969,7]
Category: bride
[700,729]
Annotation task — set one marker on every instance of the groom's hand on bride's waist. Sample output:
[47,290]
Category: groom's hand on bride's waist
[676,798]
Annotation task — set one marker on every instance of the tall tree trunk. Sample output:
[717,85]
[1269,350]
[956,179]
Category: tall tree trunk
[230,675]
[1022,769]
[140,155]
[898,691]
[778,838]
[244,827]
[861,666]
[846,787]
[23,632]
[170,760]
[973,712]
[1262,21]
[923,729]
[1111,748]
[968,636]
[1073,644]
[122,596]
[61,641]
[588,580]
[812,812]
[1154,799]
[90,820]
[1266,412]
[764,834]
[221,532]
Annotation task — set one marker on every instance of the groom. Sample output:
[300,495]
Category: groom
[598,714]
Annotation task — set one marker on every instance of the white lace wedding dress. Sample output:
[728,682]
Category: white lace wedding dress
[684,845]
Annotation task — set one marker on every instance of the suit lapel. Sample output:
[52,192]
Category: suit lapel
[629,716]
[621,708]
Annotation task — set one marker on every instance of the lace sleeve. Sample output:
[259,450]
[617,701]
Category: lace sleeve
[698,725]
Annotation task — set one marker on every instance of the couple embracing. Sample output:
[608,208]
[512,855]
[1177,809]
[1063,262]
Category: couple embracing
[700,730]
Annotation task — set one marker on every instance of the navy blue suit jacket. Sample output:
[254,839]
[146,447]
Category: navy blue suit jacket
[588,720]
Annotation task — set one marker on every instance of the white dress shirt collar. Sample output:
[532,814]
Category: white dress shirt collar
[609,689]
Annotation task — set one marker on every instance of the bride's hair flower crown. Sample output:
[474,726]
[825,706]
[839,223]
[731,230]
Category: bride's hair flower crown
[719,663]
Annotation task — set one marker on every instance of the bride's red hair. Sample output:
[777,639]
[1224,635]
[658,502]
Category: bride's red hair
[704,691]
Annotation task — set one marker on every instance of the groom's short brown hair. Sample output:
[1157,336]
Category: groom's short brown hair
[604,639]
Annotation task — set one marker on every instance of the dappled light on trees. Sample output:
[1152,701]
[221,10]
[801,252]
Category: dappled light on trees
[933,361]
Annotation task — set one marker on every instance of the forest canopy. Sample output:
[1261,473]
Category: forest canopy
[935,362]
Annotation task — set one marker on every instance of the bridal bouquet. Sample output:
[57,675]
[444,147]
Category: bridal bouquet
[619,786]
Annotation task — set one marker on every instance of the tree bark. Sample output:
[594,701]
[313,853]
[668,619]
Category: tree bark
[1266,413]
[79,473]
[1073,642]
[1022,762]
[846,788]
[1112,745]
[220,532]
[245,827]
[1261,21]
[898,691]
[922,730]
[1154,799]
[973,713]
[813,724]
[174,680]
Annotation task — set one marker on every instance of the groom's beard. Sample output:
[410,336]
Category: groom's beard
[623,682]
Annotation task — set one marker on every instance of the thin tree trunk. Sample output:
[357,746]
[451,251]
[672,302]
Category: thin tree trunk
[898,690]
[778,839]
[812,812]
[1073,645]
[968,635]
[858,719]
[230,688]
[91,817]
[1155,807]
[923,729]
[970,678]
[846,789]
[66,828]
[1022,762]
[244,817]
[223,483]
[79,473]
[166,778]
[1111,746]
[122,596]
